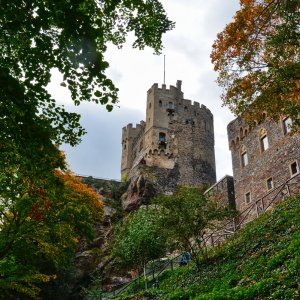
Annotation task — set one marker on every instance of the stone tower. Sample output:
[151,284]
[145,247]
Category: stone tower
[176,135]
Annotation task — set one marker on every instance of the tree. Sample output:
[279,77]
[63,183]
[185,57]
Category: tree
[257,57]
[72,36]
[186,217]
[139,239]
[39,234]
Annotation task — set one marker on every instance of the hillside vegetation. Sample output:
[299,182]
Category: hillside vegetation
[261,261]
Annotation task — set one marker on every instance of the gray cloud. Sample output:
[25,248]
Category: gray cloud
[187,50]
[99,153]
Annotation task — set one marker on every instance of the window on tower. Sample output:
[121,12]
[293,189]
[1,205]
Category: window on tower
[162,137]
[171,105]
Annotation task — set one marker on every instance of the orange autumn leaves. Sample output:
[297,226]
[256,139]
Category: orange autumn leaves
[75,193]
[257,57]
[76,190]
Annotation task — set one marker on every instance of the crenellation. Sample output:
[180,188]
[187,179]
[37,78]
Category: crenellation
[177,140]
[173,136]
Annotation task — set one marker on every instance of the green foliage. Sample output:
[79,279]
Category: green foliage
[41,217]
[40,232]
[185,218]
[138,239]
[261,261]
[95,291]
[72,36]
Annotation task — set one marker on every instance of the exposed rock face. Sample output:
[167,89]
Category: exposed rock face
[94,259]
[147,183]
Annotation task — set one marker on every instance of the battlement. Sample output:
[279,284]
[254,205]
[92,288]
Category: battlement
[171,90]
[130,131]
[177,132]
[191,106]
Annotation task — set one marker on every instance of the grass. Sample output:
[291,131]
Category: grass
[261,261]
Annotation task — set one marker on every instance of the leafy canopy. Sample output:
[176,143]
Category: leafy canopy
[139,239]
[186,217]
[40,232]
[257,57]
[72,36]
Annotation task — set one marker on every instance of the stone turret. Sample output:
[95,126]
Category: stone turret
[177,134]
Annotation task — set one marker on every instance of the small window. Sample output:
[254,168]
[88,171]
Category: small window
[160,103]
[244,156]
[264,142]
[270,184]
[162,137]
[247,198]
[195,113]
[294,168]
[185,108]
[141,145]
[287,124]
[171,105]
[149,105]
[186,121]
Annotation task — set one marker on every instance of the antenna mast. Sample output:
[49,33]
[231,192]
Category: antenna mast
[164,69]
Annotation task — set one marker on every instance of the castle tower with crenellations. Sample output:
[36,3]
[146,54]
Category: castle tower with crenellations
[176,134]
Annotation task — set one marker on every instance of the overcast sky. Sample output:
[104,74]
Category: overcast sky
[187,50]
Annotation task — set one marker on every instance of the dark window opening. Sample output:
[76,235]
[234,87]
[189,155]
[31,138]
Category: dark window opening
[185,108]
[248,198]
[294,168]
[162,137]
[160,103]
[270,184]
[171,105]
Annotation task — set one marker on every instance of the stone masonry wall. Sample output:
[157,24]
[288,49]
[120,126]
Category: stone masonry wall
[188,137]
[275,162]
[222,192]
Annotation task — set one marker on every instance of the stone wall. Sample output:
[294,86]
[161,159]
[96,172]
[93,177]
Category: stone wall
[222,192]
[264,166]
[177,132]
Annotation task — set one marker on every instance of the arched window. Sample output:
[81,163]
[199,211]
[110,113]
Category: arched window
[263,139]
[160,103]
[244,156]
[185,108]
[241,133]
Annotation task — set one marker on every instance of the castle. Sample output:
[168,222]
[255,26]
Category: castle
[179,134]
[176,134]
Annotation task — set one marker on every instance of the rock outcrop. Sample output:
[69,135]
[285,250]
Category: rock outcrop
[147,183]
